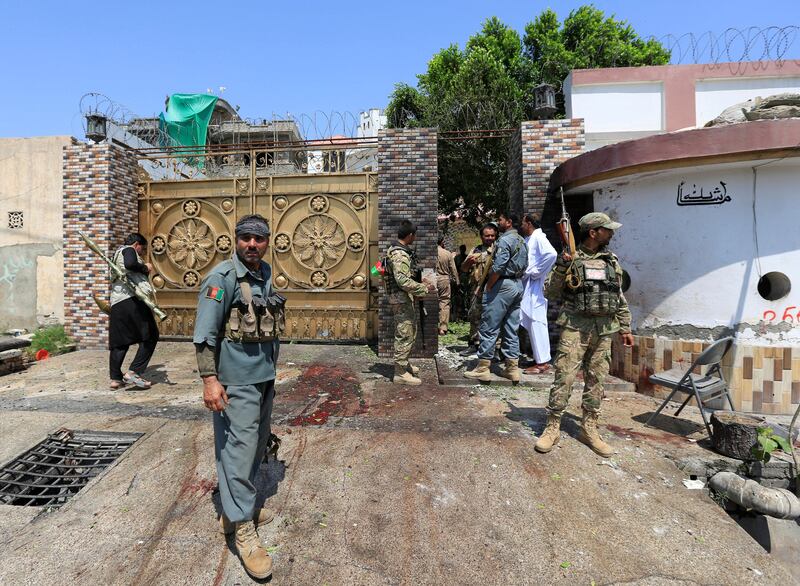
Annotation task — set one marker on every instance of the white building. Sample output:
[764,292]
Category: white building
[711,245]
[626,103]
[370,122]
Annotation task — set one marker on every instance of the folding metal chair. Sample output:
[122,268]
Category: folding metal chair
[703,387]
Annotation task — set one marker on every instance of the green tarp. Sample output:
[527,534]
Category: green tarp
[186,119]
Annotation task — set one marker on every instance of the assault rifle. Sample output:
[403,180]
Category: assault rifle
[423,313]
[478,292]
[567,236]
[565,228]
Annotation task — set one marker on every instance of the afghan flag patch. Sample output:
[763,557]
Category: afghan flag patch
[215,293]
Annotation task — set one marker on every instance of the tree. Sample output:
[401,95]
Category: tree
[489,85]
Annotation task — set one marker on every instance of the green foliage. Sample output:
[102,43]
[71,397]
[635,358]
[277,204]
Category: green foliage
[53,339]
[489,85]
[456,330]
[767,442]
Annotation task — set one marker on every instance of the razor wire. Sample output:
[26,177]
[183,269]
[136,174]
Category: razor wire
[735,45]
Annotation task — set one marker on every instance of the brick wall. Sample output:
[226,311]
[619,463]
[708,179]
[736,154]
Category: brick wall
[100,199]
[408,189]
[535,150]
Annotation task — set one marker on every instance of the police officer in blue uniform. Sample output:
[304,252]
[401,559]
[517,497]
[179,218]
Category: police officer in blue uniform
[501,303]
[239,316]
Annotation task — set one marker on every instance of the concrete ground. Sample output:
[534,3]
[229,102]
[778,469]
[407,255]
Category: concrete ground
[375,484]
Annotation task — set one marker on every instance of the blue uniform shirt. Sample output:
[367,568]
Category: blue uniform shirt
[511,254]
[238,363]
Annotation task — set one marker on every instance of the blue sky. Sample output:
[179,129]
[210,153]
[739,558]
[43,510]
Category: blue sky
[272,57]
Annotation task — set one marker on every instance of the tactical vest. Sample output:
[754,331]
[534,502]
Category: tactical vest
[599,289]
[255,322]
[388,277]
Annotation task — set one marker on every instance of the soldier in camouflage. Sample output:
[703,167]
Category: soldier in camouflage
[589,285]
[476,265]
[401,289]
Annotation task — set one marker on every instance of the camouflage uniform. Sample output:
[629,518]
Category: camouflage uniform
[401,289]
[476,302]
[589,316]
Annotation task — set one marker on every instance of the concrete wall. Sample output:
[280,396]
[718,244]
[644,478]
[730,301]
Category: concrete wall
[712,96]
[31,258]
[695,268]
[622,107]
[625,103]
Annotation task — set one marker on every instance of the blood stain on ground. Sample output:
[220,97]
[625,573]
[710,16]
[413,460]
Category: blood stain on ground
[338,385]
[661,437]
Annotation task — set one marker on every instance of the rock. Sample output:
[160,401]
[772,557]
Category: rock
[774,113]
[787,99]
[734,434]
[734,114]
[778,106]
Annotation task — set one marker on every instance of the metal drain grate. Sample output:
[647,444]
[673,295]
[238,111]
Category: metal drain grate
[53,471]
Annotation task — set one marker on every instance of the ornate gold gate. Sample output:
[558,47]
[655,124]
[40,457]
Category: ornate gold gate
[324,241]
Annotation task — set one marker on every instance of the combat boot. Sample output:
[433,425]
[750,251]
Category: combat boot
[404,377]
[590,436]
[512,371]
[550,435]
[481,371]
[255,558]
[260,517]
[413,369]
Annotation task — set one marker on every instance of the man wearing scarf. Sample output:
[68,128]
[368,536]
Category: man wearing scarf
[236,341]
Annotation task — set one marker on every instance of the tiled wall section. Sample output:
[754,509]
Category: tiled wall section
[762,379]
[408,189]
[100,182]
[536,149]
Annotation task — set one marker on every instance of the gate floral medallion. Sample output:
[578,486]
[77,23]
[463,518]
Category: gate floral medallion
[190,245]
[320,241]
[190,237]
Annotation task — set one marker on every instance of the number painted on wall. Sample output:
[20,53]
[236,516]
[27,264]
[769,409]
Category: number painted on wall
[791,314]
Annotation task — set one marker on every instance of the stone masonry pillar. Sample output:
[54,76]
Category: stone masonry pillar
[100,199]
[408,189]
[535,150]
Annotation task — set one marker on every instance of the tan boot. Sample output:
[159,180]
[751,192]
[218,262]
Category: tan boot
[512,371]
[481,372]
[550,435]
[255,558]
[403,377]
[413,369]
[591,436]
[260,517]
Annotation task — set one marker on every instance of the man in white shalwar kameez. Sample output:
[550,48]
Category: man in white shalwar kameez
[541,257]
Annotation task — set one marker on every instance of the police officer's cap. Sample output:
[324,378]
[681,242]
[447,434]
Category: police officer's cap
[596,220]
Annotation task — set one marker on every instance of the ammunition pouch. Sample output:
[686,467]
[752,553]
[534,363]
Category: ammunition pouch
[256,319]
[598,289]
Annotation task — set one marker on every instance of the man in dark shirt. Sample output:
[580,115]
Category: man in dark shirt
[131,320]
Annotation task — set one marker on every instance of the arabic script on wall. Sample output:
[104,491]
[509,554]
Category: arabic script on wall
[694,196]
